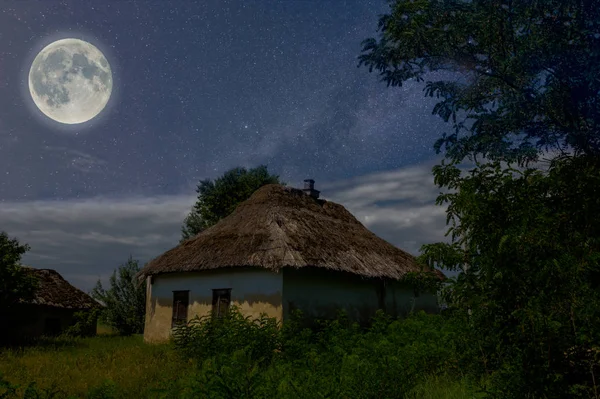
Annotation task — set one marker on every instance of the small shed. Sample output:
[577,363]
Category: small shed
[282,249]
[51,310]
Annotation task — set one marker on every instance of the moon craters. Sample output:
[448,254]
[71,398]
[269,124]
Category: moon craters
[70,81]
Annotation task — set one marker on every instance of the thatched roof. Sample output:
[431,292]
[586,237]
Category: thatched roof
[54,290]
[283,227]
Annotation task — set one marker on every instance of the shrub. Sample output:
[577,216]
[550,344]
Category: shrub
[85,324]
[124,300]
[204,337]
[242,357]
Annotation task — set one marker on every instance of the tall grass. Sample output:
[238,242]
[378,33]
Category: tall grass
[119,366]
[236,357]
[103,329]
[239,357]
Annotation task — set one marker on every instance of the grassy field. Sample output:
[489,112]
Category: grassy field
[102,329]
[109,366]
[124,365]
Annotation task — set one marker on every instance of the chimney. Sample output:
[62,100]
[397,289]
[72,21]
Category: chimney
[309,188]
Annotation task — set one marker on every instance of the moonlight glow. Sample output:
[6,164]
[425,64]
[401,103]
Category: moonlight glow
[70,81]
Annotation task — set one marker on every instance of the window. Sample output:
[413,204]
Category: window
[221,301]
[181,300]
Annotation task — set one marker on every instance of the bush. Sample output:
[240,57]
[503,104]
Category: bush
[124,300]
[204,337]
[241,357]
[85,324]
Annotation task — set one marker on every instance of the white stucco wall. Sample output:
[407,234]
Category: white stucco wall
[320,293]
[253,290]
[400,299]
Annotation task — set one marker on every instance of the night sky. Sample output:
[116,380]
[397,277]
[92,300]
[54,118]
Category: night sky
[200,88]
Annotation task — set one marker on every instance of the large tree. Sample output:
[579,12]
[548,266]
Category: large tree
[528,71]
[527,246]
[515,80]
[124,300]
[16,283]
[218,198]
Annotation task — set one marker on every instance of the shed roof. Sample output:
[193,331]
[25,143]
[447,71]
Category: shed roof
[54,290]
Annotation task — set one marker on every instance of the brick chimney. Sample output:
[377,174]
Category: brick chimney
[309,188]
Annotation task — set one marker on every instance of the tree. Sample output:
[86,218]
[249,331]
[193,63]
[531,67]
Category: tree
[16,283]
[124,300]
[219,198]
[528,72]
[531,293]
[518,79]
[192,225]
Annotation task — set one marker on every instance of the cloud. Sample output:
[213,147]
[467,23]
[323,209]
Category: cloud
[86,239]
[399,206]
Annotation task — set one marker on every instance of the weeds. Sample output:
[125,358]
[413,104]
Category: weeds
[238,357]
[98,367]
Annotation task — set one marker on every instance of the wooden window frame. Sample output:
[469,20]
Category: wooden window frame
[176,318]
[218,294]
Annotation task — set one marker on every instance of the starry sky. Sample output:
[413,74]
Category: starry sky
[200,88]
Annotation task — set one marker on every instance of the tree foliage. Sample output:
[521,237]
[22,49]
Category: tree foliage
[218,198]
[528,71]
[530,243]
[124,300]
[85,324]
[516,79]
[15,283]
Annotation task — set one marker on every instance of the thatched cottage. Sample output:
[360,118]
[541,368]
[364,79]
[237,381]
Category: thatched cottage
[51,310]
[280,250]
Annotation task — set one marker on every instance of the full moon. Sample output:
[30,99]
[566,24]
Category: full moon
[70,81]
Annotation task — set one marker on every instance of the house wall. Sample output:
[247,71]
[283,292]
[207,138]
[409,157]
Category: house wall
[400,299]
[31,321]
[321,293]
[253,290]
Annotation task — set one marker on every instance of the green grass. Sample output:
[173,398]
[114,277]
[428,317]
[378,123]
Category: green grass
[102,329]
[129,368]
[235,357]
[77,366]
